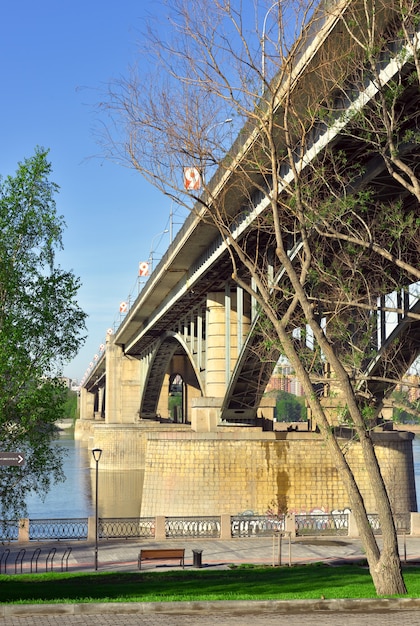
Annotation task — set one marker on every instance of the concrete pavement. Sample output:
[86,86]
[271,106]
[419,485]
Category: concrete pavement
[217,554]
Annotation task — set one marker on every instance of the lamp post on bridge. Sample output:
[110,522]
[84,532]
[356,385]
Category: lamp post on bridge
[152,251]
[275,4]
[96,453]
[228,120]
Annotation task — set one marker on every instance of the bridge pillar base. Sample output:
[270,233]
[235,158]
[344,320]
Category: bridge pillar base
[205,414]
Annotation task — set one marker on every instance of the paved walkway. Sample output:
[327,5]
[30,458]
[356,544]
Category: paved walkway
[122,556]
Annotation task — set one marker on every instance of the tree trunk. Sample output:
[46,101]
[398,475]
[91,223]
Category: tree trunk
[387,575]
[385,568]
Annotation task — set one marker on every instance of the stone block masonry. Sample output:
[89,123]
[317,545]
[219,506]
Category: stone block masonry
[230,472]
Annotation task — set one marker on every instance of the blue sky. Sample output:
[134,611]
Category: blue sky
[55,58]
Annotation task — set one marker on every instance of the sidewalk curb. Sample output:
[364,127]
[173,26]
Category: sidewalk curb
[222,606]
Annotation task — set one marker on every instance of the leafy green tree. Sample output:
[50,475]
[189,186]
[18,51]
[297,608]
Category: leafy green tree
[70,410]
[404,410]
[290,408]
[41,328]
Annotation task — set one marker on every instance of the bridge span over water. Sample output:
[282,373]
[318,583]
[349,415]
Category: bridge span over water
[191,319]
[192,322]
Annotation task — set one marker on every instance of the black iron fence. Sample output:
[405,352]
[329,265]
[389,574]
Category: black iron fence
[402,523]
[192,527]
[9,530]
[322,524]
[58,529]
[252,525]
[198,526]
[127,528]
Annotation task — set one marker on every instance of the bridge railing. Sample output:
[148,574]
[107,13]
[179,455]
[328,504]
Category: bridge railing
[213,526]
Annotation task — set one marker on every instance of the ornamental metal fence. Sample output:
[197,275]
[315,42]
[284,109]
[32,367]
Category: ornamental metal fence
[322,524]
[127,528]
[402,523]
[9,530]
[253,525]
[58,529]
[193,527]
[243,525]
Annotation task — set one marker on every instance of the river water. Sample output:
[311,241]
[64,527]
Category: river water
[119,492]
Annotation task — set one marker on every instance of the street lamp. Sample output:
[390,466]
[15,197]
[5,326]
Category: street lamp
[96,453]
[151,247]
[226,121]
[275,4]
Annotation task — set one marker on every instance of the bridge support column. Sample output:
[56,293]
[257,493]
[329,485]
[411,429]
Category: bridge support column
[99,413]
[205,414]
[101,402]
[216,346]
[228,323]
[123,383]
[87,404]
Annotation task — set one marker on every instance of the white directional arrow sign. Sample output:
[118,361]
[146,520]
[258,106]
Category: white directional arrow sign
[11,458]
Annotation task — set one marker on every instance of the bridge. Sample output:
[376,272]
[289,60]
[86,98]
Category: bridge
[192,322]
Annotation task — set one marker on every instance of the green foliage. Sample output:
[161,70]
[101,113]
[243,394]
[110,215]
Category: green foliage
[70,409]
[405,411]
[41,328]
[174,400]
[290,408]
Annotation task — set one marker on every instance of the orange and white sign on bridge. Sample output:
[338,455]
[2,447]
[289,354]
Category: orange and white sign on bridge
[192,179]
[143,268]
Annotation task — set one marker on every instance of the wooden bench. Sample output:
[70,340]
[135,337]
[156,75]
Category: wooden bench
[164,554]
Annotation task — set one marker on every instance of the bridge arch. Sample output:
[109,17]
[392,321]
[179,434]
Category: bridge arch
[394,355]
[170,356]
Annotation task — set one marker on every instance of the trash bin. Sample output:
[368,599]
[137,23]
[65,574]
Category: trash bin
[197,558]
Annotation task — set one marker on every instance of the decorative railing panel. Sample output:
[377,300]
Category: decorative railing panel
[402,523]
[322,524]
[9,530]
[199,526]
[125,528]
[252,525]
[58,529]
[192,527]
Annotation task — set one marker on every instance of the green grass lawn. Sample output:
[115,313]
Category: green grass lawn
[241,583]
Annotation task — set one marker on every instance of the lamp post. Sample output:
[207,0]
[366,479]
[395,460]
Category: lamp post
[152,251]
[228,120]
[263,46]
[96,453]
